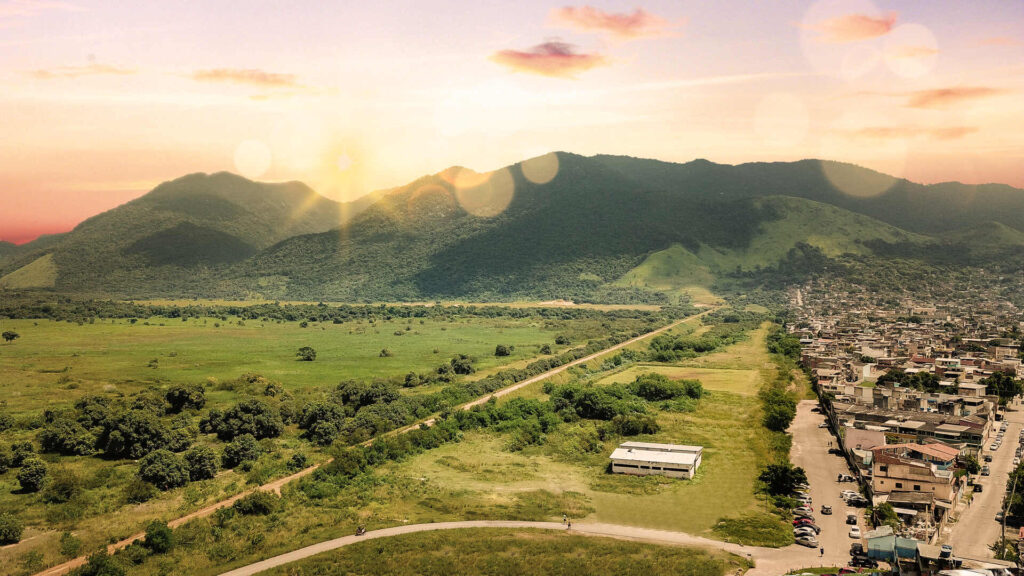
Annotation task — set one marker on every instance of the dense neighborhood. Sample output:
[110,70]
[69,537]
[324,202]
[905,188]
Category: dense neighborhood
[920,399]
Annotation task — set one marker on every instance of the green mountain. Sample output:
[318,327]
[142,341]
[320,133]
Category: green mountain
[175,234]
[602,228]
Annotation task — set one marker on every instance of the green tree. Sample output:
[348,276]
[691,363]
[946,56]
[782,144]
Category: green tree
[159,537]
[885,515]
[67,437]
[11,336]
[306,354]
[101,564]
[63,485]
[69,545]
[502,350]
[243,449]
[970,465]
[258,503]
[201,463]
[10,528]
[163,469]
[781,479]
[462,364]
[133,434]
[186,396]
[1003,385]
[32,475]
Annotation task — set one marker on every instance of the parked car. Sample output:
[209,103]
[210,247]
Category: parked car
[858,502]
[855,532]
[999,516]
[851,517]
[988,457]
[846,478]
[977,488]
[847,494]
[826,509]
[862,561]
[803,510]
[808,541]
[856,549]
[985,471]
[835,451]
[798,532]
[803,487]
[803,515]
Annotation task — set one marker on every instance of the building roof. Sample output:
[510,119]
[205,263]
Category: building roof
[654,456]
[684,448]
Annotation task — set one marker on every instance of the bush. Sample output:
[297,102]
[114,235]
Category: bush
[69,545]
[133,434]
[186,397]
[67,437]
[32,475]
[138,491]
[298,461]
[163,469]
[100,564]
[462,364]
[634,424]
[654,387]
[10,528]
[545,349]
[201,463]
[502,350]
[306,353]
[242,449]
[253,416]
[62,486]
[159,538]
[386,353]
[259,503]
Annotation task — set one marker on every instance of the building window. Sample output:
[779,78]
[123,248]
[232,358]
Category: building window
[917,487]
[883,468]
[899,484]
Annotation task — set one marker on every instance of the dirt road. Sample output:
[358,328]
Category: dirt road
[810,452]
[276,485]
[977,529]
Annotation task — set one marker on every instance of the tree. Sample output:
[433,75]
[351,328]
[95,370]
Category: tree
[133,434]
[252,416]
[242,449]
[322,422]
[163,469]
[778,417]
[562,340]
[259,503]
[32,475]
[11,336]
[67,437]
[970,465]
[545,349]
[62,486]
[782,479]
[462,364]
[885,514]
[186,396]
[159,537]
[101,564]
[502,350]
[1003,385]
[306,354]
[201,463]
[10,529]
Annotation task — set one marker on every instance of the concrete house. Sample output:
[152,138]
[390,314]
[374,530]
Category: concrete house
[645,458]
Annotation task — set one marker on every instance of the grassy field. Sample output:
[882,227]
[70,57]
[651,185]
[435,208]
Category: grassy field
[502,552]
[743,382]
[115,355]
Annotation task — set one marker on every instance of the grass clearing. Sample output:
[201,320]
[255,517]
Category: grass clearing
[502,551]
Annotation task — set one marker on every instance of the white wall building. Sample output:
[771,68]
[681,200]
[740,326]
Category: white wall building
[644,458]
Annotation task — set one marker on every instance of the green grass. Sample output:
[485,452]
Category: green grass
[744,382]
[115,355]
[40,273]
[502,552]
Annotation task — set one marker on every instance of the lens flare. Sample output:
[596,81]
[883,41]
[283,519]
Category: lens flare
[486,197]
[911,51]
[252,159]
[845,140]
[781,120]
[542,169]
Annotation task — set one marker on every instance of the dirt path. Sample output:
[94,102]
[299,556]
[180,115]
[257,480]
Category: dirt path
[276,485]
[768,560]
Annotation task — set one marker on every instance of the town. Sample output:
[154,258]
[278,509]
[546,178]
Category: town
[920,398]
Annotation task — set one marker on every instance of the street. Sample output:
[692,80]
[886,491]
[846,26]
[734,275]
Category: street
[810,451]
[977,528]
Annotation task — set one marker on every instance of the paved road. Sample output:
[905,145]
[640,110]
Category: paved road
[977,528]
[810,452]
[276,485]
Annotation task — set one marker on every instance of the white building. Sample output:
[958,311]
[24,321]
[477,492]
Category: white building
[644,458]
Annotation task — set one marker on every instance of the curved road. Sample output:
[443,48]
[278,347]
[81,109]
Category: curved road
[276,485]
[769,561]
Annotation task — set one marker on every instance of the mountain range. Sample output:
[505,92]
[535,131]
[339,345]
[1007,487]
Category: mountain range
[600,228]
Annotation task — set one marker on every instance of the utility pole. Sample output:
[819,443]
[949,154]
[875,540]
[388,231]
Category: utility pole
[1006,512]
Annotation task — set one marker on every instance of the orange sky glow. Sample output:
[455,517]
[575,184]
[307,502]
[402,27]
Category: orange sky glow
[103,100]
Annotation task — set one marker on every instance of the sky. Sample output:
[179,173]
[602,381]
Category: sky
[100,101]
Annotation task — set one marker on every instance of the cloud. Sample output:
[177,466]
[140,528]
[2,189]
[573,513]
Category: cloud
[907,51]
[853,28]
[555,59]
[903,132]
[13,9]
[1002,41]
[944,97]
[79,71]
[639,24]
[249,76]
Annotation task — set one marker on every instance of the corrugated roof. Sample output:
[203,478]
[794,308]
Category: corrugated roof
[654,456]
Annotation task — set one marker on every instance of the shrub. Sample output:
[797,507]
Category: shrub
[502,350]
[138,491]
[32,475]
[133,434]
[462,364]
[242,449]
[386,353]
[253,416]
[69,545]
[67,437]
[298,461]
[545,349]
[159,537]
[654,387]
[306,353]
[62,486]
[10,528]
[258,503]
[163,469]
[186,397]
[100,564]
[634,424]
[562,340]
[201,463]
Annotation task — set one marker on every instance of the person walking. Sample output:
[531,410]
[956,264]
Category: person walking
[564,518]
[570,525]
[822,551]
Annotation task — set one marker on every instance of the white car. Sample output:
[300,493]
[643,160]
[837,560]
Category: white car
[855,532]
[847,494]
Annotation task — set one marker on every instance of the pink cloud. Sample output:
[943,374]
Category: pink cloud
[901,132]
[944,97]
[639,24]
[853,28]
[1002,41]
[908,51]
[554,59]
[245,76]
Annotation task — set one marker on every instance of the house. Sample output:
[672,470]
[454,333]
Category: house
[645,458]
